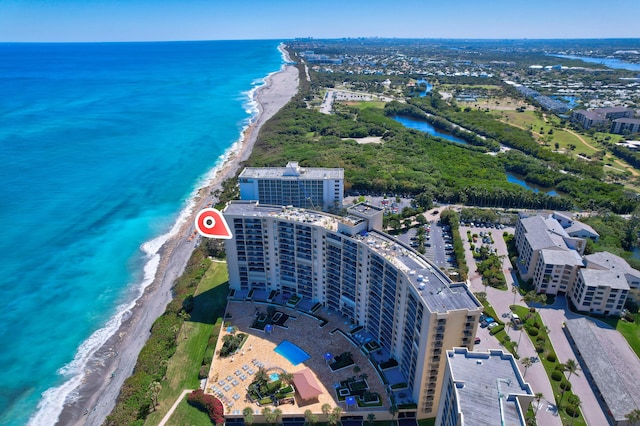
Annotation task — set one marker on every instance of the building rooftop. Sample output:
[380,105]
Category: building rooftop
[601,278]
[617,379]
[438,291]
[544,232]
[554,256]
[487,384]
[577,226]
[292,171]
[611,262]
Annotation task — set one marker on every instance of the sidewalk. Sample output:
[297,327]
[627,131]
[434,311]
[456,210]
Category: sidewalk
[500,300]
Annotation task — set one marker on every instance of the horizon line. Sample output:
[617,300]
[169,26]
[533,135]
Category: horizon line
[328,38]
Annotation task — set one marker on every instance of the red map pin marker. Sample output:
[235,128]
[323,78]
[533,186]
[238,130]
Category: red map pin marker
[211,224]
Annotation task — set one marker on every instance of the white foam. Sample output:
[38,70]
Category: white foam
[54,399]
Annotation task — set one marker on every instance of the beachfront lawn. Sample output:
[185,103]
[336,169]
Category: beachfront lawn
[184,366]
[186,414]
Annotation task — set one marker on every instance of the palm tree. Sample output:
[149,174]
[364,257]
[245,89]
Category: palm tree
[334,417]
[266,412]
[572,367]
[247,413]
[371,418]
[309,417]
[276,414]
[526,363]
[393,410]
[326,409]
[286,378]
[539,396]
[576,404]
[261,377]
[633,417]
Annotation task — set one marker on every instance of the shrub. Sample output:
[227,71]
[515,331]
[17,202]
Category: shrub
[566,385]
[557,375]
[533,331]
[496,330]
[207,403]
[572,410]
[551,358]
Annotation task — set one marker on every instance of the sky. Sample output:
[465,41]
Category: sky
[151,20]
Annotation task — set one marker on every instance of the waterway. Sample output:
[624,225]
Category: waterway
[425,127]
[518,180]
[428,86]
[608,62]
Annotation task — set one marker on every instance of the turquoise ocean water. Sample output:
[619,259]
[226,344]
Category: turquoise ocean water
[102,145]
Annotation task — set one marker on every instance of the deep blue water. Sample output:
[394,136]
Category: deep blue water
[519,181]
[423,126]
[101,147]
[609,62]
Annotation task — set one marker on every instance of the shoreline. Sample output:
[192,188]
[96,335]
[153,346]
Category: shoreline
[114,361]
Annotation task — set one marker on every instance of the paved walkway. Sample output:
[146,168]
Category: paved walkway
[535,375]
[554,317]
[167,416]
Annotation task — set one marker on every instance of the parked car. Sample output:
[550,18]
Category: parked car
[476,341]
[493,324]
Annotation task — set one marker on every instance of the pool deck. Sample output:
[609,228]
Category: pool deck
[305,332]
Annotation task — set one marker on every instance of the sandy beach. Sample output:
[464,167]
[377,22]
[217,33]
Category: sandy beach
[114,361]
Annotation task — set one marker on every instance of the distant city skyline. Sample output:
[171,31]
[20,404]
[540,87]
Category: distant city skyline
[158,20]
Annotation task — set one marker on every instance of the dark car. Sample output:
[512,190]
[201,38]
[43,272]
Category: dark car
[475,342]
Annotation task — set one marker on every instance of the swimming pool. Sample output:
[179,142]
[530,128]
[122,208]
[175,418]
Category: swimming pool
[274,376]
[294,354]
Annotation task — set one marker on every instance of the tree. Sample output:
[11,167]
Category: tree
[572,367]
[310,418]
[371,418]
[326,409]
[576,402]
[633,417]
[266,412]
[393,410]
[286,378]
[276,414]
[334,417]
[539,396]
[154,391]
[526,363]
[247,413]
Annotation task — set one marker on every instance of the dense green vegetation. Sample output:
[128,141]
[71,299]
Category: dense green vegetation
[411,162]
[144,388]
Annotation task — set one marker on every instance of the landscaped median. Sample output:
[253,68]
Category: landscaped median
[568,403]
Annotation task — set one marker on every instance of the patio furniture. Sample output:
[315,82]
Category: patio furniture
[235,383]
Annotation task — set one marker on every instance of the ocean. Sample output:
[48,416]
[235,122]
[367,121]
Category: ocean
[102,147]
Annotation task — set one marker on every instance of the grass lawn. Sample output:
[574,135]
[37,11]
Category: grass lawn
[629,330]
[182,372]
[185,414]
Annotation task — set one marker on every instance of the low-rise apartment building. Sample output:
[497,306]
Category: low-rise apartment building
[598,283]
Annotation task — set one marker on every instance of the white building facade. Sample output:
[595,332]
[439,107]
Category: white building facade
[410,307]
[305,187]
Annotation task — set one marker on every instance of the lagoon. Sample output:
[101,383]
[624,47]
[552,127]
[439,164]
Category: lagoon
[608,62]
[425,127]
[513,178]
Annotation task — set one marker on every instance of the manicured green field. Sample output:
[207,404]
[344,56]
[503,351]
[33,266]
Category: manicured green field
[182,371]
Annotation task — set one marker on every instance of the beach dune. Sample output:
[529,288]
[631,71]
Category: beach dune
[115,360]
